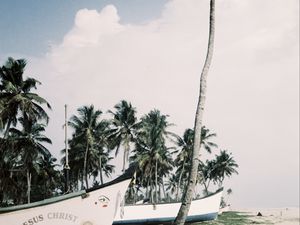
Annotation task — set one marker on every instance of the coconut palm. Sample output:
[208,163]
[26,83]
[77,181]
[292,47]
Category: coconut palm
[32,152]
[208,173]
[48,181]
[225,166]
[99,164]
[172,184]
[8,185]
[16,96]
[102,156]
[182,160]
[123,127]
[76,159]
[206,135]
[185,144]
[188,195]
[151,153]
[217,169]
[85,128]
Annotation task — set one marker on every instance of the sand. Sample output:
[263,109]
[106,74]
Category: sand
[281,216]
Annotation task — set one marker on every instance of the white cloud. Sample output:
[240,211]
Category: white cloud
[252,100]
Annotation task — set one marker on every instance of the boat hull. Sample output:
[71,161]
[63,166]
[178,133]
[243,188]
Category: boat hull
[95,207]
[201,210]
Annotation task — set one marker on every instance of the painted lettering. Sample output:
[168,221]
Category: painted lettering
[61,216]
[34,220]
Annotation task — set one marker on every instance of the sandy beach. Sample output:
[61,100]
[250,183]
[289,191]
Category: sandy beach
[282,216]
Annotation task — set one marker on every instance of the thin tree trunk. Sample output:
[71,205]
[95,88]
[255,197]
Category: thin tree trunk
[206,186]
[78,180]
[179,181]
[156,196]
[188,195]
[100,169]
[85,166]
[147,190]
[125,155]
[7,128]
[164,190]
[28,175]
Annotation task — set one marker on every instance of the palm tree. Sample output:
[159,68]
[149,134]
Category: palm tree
[151,152]
[172,184]
[225,166]
[16,95]
[124,125]
[8,185]
[188,195]
[32,152]
[217,169]
[99,164]
[76,159]
[85,128]
[48,181]
[182,160]
[186,144]
[206,135]
[208,173]
[102,151]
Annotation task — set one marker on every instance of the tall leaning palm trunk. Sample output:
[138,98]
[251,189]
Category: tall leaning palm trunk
[188,195]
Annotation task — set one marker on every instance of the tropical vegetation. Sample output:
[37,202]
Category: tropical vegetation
[29,171]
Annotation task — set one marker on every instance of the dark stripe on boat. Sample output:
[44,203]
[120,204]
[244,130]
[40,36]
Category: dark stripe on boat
[190,219]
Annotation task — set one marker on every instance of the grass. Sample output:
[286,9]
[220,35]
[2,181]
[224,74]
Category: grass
[233,218]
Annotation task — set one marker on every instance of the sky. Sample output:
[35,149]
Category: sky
[151,53]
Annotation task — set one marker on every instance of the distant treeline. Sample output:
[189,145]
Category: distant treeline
[29,172]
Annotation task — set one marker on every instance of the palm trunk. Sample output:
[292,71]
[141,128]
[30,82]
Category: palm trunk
[28,175]
[126,155]
[206,186]
[163,189]
[7,128]
[179,181]
[85,166]
[156,196]
[188,195]
[82,180]
[147,190]
[100,169]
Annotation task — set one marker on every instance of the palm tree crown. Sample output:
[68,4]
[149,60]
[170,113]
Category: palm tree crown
[85,129]
[16,95]
[123,127]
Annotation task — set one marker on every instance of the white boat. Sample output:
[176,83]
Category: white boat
[203,209]
[95,206]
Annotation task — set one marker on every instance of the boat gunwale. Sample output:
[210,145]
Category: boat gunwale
[126,176]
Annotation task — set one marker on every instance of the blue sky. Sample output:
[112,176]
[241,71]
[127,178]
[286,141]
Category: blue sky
[151,52]
[31,26]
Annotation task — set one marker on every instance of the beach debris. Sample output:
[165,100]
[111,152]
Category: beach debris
[259,214]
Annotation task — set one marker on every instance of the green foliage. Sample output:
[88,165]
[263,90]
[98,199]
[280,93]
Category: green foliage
[22,153]
[123,129]
[233,218]
[218,169]
[152,154]
[88,154]
[28,169]
[16,97]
